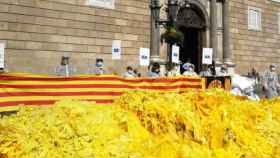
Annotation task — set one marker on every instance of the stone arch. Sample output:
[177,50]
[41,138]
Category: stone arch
[197,12]
[193,21]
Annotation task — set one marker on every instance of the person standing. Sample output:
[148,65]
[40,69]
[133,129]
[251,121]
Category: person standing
[99,67]
[189,70]
[206,71]
[155,71]
[65,68]
[129,73]
[223,71]
[270,82]
[174,71]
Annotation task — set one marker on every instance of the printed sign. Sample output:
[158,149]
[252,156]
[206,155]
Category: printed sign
[2,55]
[144,56]
[175,54]
[116,50]
[207,56]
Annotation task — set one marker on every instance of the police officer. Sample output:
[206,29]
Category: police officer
[270,82]
[65,69]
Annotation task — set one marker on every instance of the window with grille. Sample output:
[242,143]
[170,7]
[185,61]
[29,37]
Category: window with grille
[254,19]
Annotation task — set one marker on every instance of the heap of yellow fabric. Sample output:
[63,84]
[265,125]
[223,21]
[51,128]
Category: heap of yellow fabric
[211,124]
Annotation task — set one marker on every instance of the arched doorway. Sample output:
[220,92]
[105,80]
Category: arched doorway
[193,22]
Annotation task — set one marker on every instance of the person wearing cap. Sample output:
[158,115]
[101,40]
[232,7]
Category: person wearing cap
[65,69]
[129,73]
[270,82]
[99,67]
[155,71]
[189,70]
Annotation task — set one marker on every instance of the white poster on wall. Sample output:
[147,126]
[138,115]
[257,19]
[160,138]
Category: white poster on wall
[2,55]
[207,56]
[116,49]
[144,56]
[175,54]
[110,4]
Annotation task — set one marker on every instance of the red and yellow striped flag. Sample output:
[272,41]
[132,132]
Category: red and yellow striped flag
[24,89]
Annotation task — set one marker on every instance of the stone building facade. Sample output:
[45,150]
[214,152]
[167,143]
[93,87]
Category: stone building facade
[239,38]
[38,32]
[255,47]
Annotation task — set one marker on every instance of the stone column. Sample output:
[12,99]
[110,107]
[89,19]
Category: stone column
[226,43]
[228,58]
[213,32]
[155,33]
[219,31]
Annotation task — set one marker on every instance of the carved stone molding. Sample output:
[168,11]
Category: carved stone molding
[190,18]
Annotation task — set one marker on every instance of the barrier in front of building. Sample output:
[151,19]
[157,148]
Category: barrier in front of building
[223,82]
[26,89]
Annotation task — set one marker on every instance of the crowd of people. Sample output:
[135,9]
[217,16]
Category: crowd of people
[268,81]
[154,70]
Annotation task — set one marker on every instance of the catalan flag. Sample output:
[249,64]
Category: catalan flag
[25,89]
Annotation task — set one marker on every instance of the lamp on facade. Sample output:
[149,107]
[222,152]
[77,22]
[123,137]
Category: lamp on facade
[187,4]
[155,10]
[172,9]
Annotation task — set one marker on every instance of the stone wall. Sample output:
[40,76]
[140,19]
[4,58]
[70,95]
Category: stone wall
[255,48]
[38,32]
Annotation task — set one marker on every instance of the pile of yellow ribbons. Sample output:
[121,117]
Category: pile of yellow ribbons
[141,124]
